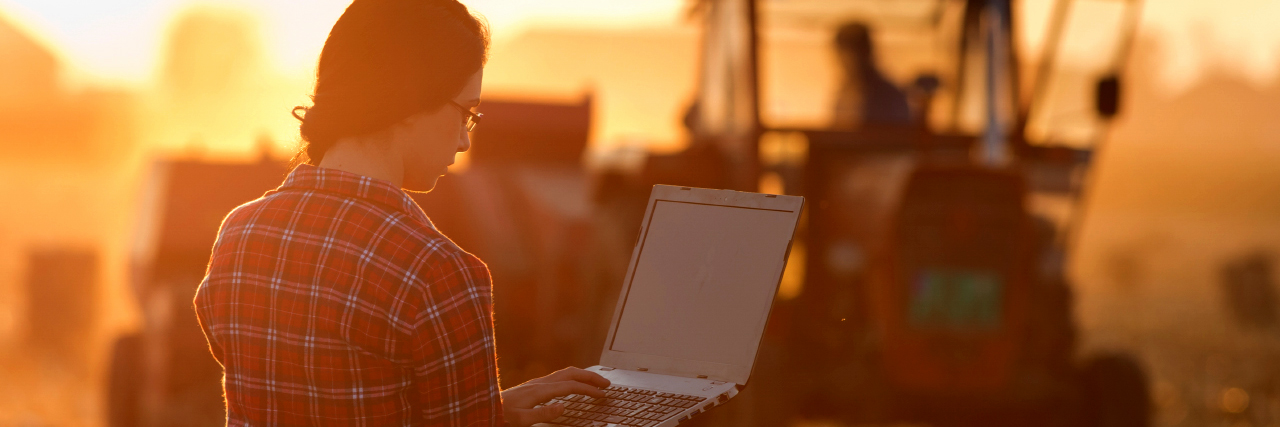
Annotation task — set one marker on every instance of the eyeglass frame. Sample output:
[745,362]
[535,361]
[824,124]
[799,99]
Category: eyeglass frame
[473,118]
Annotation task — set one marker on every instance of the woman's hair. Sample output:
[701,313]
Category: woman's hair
[386,60]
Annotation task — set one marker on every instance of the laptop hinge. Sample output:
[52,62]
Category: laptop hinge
[639,369]
[642,369]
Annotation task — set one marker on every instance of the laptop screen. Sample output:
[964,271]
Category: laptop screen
[703,282]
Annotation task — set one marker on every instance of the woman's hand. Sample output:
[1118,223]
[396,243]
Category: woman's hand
[518,402]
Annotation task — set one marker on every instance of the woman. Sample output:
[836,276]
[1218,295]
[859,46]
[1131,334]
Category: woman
[332,300]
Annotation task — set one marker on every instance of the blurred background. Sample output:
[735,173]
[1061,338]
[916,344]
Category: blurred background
[1024,212]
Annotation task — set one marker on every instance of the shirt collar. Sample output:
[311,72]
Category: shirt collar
[313,178]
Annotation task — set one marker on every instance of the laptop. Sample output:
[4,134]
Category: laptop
[693,306]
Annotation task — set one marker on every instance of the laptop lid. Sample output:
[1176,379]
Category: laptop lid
[702,278]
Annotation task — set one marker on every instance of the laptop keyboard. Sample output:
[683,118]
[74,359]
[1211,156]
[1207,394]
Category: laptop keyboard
[622,405]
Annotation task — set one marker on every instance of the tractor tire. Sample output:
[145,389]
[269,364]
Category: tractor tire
[1115,392]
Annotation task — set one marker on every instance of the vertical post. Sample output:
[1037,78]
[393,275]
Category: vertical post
[752,167]
[995,150]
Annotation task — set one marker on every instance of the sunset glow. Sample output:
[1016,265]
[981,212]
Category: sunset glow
[120,40]
[106,94]
[121,43]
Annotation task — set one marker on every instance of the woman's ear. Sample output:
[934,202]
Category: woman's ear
[405,125]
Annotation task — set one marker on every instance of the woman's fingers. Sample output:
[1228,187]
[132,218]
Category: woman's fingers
[527,417]
[518,401]
[547,391]
[527,395]
[574,374]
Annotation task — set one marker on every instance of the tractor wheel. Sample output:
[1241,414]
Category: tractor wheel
[123,385]
[1115,392]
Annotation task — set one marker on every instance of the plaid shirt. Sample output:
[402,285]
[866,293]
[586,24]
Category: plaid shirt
[332,300]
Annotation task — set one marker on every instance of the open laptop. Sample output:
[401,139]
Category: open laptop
[693,306]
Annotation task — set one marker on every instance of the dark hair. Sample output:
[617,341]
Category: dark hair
[386,60]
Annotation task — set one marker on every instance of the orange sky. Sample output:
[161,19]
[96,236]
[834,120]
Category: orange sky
[119,40]
[121,43]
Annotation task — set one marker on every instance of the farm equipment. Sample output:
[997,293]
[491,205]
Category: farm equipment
[934,288]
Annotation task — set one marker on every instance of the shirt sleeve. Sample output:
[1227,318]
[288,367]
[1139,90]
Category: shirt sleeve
[204,316]
[452,344]
[206,308]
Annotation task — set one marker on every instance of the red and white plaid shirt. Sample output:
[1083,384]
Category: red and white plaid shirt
[333,301]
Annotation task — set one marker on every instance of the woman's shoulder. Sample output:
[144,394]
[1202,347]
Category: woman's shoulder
[443,254]
[365,229]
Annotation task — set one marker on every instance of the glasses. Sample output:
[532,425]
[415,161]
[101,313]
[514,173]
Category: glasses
[472,118]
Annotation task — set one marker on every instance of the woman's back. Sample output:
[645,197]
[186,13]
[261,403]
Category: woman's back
[332,300]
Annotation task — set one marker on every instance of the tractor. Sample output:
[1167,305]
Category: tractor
[939,218]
